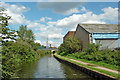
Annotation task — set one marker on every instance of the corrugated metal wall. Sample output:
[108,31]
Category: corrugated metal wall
[111,44]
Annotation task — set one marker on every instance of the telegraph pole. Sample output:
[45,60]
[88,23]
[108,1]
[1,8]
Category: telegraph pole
[47,42]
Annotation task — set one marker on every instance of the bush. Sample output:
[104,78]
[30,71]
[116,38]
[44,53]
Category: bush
[94,54]
[70,46]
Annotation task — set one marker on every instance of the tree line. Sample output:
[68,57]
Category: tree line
[73,47]
[18,47]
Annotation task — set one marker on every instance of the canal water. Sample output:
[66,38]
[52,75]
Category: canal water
[48,67]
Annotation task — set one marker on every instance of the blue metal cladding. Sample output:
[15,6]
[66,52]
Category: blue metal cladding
[119,41]
[105,35]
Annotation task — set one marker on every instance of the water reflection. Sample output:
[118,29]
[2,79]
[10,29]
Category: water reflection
[49,67]
[27,70]
[71,72]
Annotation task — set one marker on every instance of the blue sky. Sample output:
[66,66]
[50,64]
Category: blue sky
[56,19]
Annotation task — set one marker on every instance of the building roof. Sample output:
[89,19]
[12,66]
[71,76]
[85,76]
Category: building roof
[100,28]
[70,33]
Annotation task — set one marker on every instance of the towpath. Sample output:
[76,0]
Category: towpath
[93,65]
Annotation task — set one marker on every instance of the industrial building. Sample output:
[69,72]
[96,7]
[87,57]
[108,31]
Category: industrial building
[70,34]
[104,34]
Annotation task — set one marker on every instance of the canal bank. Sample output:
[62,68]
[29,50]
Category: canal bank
[95,73]
[49,67]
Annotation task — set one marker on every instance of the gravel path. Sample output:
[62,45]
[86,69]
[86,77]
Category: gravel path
[93,65]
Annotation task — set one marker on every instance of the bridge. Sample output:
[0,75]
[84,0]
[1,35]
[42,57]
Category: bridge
[55,49]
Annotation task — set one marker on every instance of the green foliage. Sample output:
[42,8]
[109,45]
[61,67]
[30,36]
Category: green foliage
[35,46]
[43,46]
[70,46]
[14,54]
[22,32]
[26,35]
[94,54]
[89,67]
[92,48]
[3,26]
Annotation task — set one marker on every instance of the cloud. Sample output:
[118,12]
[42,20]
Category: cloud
[67,0]
[60,0]
[84,9]
[50,33]
[16,13]
[88,17]
[53,43]
[55,36]
[65,8]
[48,18]
[73,10]
[42,19]
[94,22]
[110,14]
[55,30]
[37,41]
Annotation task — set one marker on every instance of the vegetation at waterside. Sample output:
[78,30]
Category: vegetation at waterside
[90,67]
[70,46]
[20,49]
[104,57]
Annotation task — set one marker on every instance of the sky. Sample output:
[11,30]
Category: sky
[55,19]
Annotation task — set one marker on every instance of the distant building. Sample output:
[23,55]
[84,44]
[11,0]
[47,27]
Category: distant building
[105,34]
[70,34]
[54,47]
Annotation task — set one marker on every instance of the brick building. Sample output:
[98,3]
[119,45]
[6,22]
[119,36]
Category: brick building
[70,34]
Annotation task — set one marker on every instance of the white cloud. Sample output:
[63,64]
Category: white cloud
[95,22]
[37,41]
[65,8]
[16,12]
[83,9]
[55,36]
[60,0]
[88,17]
[68,12]
[55,29]
[67,0]
[42,19]
[50,33]
[71,22]
[48,18]
[53,43]
[110,14]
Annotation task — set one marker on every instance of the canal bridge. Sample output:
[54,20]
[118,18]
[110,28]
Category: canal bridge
[55,49]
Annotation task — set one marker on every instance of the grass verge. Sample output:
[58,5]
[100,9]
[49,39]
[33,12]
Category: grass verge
[102,64]
[91,68]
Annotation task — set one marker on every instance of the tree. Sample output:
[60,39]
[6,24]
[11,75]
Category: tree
[25,34]
[29,35]
[4,30]
[70,46]
[9,34]
[22,32]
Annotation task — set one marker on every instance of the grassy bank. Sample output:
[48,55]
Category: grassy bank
[113,67]
[91,68]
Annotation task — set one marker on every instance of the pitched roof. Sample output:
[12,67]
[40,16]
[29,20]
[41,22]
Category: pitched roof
[70,33]
[100,28]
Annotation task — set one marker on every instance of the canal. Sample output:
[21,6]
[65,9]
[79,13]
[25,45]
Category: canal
[48,67]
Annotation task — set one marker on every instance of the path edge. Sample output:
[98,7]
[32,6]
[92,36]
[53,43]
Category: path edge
[94,74]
